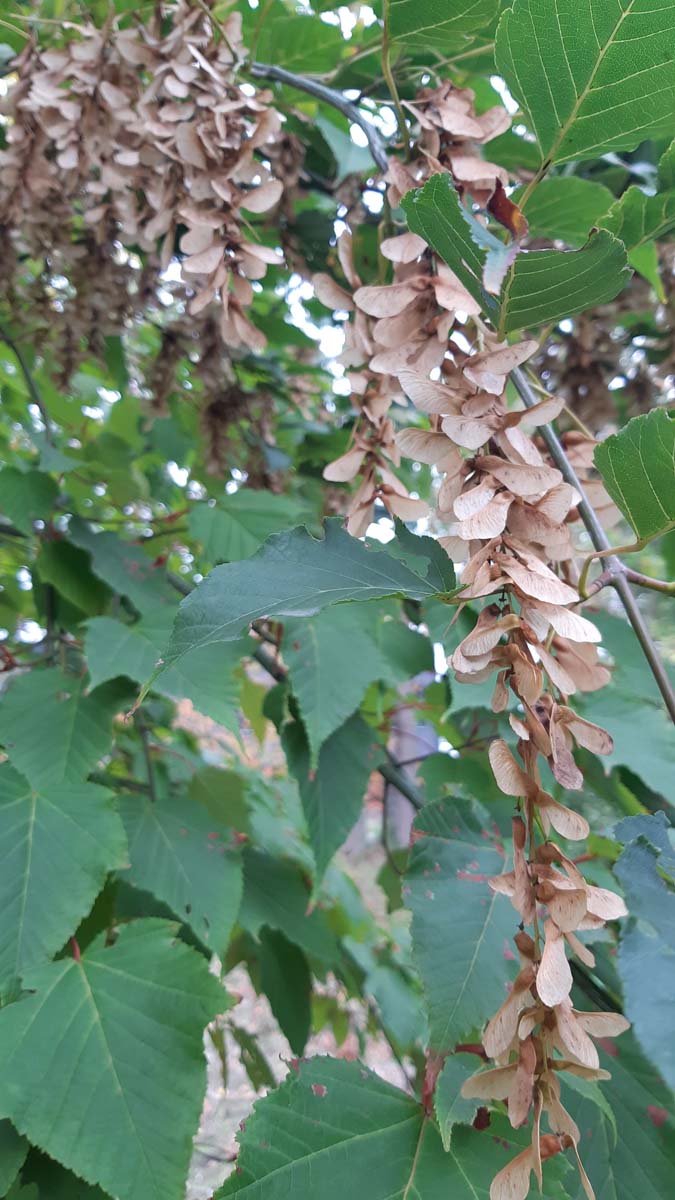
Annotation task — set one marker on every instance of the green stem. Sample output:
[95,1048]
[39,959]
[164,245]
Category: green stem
[391,82]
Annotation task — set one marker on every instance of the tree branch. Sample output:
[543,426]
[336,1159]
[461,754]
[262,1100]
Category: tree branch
[376,143]
[30,382]
[615,568]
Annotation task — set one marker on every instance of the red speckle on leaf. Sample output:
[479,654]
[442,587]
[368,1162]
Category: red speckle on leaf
[427,874]
[508,953]
[657,1116]
[183,832]
[320,1089]
[481,1119]
[437,868]
[296,646]
[213,835]
[467,875]
[429,895]
[264,1145]
[455,829]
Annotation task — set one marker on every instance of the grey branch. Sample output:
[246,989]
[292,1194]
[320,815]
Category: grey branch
[378,148]
[614,567]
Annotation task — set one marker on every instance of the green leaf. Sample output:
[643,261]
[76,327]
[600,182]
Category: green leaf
[53,731]
[645,260]
[293,574]
[13,1150]
[334,1121]
[638,469]
[452,906]
[123,566]
[235,527]
[449,1105]
[647,952]
[55,1183]
[566,208]
[590,78]
[179,854]
[276,895]
[57,844]
[448,24]
[541,287]
[205,675]
[102,1066]
[642,1161]
[286,981]
[647,747]
[331,660]
[26,496]
[544,286]
[332,795]
[637,218]
[67,568]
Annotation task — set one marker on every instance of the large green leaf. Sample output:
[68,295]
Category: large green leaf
[57,844]
[124,567]
[234,527]
[102,1065]
[641,1162]
[205,675]
[566,209]
[293,574]
[647,951]
[448,24]
[334,1121]
[461,930]
[332,795]
[52,730]
[590,76]
[67,568]
[179,854]
[542,286]
[638,469]
[449,1105]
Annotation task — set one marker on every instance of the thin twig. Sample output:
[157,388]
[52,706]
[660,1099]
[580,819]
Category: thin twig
[30,382]
[391,82]
[329,96]
[600,542]
[606,579]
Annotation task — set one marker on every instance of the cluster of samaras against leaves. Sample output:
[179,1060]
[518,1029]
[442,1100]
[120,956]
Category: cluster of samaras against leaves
[404,325]
[118,138]
[507,514]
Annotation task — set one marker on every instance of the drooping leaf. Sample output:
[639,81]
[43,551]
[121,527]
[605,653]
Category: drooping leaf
[449,1105]
[235,527]
[590,77]
[52,730]
[293,574]
[332,795]
[133,1062]
[452,24]
[124,567]
[638,469]
[331,659]
[205,675]
[646,958]
[332,1121]
[13,1150]
[566,208]
[54,1182]
[26,496]
[541,286]
[286,981]
[57,844]
[276,895]
[179,854]
[461,929]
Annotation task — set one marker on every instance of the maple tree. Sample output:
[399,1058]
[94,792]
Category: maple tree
[336,362]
